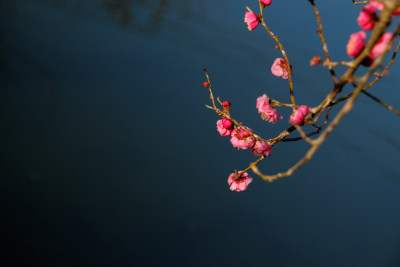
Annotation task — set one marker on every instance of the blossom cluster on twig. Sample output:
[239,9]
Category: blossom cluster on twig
[375,17]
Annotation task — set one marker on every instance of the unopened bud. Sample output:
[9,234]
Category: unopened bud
[226,123]
[315,60]
[226,104]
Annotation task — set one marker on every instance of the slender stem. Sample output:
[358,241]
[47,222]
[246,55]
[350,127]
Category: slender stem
[226,114]
[360,2]
[331,64]
[249,167]
[323,41]
[209,87]
[303,134]
[382,103]
[279,104]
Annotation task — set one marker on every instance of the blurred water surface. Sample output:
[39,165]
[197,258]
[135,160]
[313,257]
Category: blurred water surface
[110,158]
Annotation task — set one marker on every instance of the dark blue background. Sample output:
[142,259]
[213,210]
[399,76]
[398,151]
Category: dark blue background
[109,156]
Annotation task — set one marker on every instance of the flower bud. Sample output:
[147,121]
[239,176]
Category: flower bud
[315,60]
[226,104]
[226,123]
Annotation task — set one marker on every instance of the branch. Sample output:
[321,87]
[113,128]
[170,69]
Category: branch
[378,75]
[360,2]
[382,103]
[385,19]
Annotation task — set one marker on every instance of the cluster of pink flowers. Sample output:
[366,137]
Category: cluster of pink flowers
[266,110]
[367,20]
[243,137]
[298,116]
[241,183]
[279,68]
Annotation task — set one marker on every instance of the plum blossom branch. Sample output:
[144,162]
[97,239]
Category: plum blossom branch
[280,46]
[377,78]
[385,19]
[226,113]
[370,54]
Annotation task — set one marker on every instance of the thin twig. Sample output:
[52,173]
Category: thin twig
[209,87]
[382,103]
[226,114]
[331,64]
[303,134]
[323,41]
[360,2]
[276,103]
[249,167]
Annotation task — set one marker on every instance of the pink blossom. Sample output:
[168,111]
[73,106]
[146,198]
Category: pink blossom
[242,139]
[223,131]
[261,149]
[240,184]
[377,5]
[279,68]
[266,110]
[261,102]
[367,17]
[356,43]
[298,116]
[252,20]
[380,46]
[265,2]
